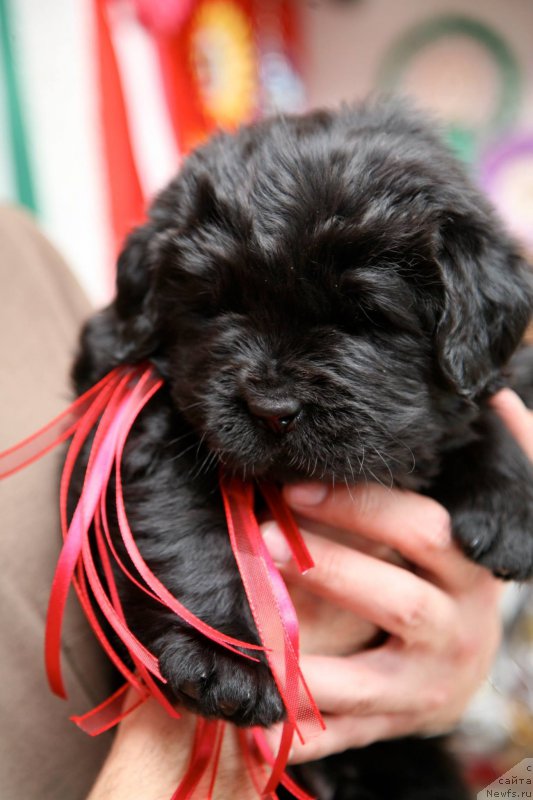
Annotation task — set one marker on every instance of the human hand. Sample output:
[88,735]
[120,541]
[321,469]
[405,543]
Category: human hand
[441,614]
[442,619]
[150,755]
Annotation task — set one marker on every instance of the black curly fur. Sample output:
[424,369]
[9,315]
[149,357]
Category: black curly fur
[342,261]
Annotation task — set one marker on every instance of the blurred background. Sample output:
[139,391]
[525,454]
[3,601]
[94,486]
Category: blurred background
[101,99]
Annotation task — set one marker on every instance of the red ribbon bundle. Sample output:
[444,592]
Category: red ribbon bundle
[109,409]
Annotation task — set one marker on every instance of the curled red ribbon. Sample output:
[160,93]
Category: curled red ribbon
[109,410]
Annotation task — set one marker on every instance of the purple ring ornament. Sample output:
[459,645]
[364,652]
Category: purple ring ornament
[491,168]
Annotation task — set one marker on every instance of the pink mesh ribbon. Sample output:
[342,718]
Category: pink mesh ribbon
[273,612]
[107,413]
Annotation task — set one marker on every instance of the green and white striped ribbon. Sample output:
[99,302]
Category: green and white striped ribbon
[14,114]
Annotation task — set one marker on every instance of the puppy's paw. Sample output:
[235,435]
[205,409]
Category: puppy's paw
[215,683]
[501,541]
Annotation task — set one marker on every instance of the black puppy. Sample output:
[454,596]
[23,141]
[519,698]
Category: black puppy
[327,297]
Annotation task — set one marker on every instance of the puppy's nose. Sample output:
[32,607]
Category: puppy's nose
[279,415]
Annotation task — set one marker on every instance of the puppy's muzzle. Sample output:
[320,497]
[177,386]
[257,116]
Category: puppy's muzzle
[280,416]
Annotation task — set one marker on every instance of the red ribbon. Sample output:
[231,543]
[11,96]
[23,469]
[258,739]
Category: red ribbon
[273,613]
[109,410]
[126,200]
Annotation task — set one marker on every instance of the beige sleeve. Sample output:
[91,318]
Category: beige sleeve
[43,756]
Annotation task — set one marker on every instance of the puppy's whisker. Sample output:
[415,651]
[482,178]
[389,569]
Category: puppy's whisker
[348,487]
[192,405]
[406,447]
[205,465]
[215,456]
[179,438]
[386,466]
[200,443]
[351,468]
[413,459]
[292,461]
[324,469]
[183,452]
[376,479]
[363,460]
[198,471]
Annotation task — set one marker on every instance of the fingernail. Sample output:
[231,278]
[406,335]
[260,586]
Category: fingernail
[276,543]
[441,529]
[306,494]
[441,537]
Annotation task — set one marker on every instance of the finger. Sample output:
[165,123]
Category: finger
[416,526]
[343,732]
[393,598]
[355,686]
[517,418]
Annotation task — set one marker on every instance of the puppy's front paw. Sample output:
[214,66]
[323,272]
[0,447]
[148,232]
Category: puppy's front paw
[215,683]
[501,540]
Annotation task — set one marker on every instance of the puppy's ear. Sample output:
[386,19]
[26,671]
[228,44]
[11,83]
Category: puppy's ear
[127,331]
[487,303]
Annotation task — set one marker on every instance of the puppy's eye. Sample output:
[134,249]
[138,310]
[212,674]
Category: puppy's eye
[205,304]
[380,297]
[194,294]
[211,299]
